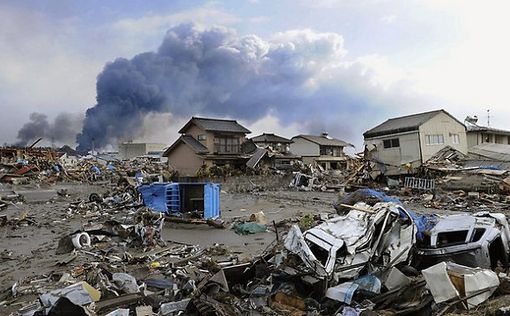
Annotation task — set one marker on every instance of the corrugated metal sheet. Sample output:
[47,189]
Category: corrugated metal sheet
[256,157]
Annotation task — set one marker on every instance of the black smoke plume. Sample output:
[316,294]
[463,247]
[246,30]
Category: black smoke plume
[298,76]
[63,129]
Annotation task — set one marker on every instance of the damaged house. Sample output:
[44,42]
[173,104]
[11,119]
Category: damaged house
[324,150]
[271,151]
[477,135]
[402,144]
[209,142]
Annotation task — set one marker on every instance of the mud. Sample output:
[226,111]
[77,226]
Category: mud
[28,250]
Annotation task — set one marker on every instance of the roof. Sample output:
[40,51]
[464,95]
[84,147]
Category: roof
[324,141]
[191,142]
[270,138]
[478,128]
[216,125]
[404,124]
[500,152]
[68,150]
[257,156]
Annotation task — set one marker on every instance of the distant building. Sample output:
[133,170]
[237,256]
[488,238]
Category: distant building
[130,150]
[274,142]
[324,150]
[209,142]
[272,151]
[402,144]
[477,135]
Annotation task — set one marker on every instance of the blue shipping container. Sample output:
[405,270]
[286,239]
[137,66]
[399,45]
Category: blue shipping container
[178,198]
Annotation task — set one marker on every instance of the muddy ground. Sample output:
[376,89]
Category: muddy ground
[29,250]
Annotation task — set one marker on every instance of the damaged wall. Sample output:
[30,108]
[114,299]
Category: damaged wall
[445,125]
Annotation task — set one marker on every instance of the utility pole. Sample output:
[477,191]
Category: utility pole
[488,118]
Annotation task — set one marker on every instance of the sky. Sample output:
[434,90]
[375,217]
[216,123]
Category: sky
[391,58]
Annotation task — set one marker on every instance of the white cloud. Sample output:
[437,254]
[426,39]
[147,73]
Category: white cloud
[271,124]
[388,19]
[473,76]
[152,24]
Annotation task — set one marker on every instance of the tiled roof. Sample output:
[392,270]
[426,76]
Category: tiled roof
[190,141]
[216,125]
[270,138]
[324,141]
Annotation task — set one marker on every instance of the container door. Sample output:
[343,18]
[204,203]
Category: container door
[211,200]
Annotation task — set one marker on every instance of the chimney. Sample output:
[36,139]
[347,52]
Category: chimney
[324,134]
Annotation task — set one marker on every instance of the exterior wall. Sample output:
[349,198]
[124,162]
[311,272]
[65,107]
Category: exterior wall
[477,137]
[407,152]
[473,139]
[154,147]
[444,125]
[132,150]
[195,130]
[303,147]
[184,160]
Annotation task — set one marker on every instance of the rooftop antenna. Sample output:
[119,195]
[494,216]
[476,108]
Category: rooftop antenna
[488,118]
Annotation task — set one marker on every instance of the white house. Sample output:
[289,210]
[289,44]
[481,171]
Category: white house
[402,144]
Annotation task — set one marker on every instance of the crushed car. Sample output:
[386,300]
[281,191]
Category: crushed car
[367,238]
[474,240]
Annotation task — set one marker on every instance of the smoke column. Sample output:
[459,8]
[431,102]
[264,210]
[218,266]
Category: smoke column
[299,76]
[63,129]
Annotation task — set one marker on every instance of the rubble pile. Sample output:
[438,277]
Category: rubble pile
[373,257]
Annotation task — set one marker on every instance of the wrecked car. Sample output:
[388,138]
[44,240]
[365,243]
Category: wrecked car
[370,238]
[477,240]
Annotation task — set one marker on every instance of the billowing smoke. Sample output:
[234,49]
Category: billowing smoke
[63,129]
[298,76]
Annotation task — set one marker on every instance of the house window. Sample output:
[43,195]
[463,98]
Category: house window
[455,139]
[498,139]
[331,151]
[391,143]
[227,145]
[202,137]
[436,139]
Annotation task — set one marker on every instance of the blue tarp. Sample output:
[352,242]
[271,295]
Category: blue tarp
[422,222]
[95,170]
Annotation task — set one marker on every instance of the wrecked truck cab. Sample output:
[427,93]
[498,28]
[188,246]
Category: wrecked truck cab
[365,238]
[477,240]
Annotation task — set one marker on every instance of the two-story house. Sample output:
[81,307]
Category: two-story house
[402,144]
[324,150]
[207,141]
[271,151]
[274,142]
